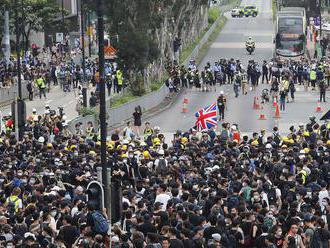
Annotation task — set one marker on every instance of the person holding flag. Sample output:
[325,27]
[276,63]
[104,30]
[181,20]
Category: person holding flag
[206,118]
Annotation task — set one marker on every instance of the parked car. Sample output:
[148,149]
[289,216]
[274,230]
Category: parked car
[237,12]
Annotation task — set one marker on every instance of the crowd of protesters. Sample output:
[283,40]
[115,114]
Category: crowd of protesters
[49,68]
[201,189]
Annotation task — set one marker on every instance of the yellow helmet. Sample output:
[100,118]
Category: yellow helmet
[73,147]
[306,133]
[328,142]
[124,147]
[285,139]
[146,154]
[291,141]
[124,155]
[92,153]
[184,140]
[255,143]
[98,143]
[306,150]
[156,140]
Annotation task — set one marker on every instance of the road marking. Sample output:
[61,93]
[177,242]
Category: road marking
[48,101]
[259,45]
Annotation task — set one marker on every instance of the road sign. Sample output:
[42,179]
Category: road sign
[59,37]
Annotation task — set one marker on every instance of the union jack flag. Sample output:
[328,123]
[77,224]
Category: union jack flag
[206,117]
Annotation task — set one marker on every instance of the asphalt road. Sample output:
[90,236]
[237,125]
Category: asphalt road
[231,44]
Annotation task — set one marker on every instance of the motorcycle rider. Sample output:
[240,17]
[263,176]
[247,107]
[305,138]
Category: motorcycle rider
[250,42]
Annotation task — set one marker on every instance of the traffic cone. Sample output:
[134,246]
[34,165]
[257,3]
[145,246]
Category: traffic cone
[184,105]
[318,108]
[275,102]
[256,103]
[262,115]
[277,112]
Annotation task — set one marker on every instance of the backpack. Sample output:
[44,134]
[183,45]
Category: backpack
[224,135]
[161,168]
[12,206]
[100,223]
[272,196]
[317,241]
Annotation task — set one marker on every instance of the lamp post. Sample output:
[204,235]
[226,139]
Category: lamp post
[84,89]
[103,125]
[19,102]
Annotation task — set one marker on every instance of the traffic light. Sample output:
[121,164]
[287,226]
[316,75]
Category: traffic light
[176,44]
[95,195]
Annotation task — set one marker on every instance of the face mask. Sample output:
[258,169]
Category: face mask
[24,181]
[324,203]
[131,156]
[2,180]
[298,197]
[75,154]
[32,181]
[125,160]
[256,198]
[279,233]
[20,174]
[53,213]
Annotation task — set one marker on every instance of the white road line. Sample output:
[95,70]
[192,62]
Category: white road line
[259,45]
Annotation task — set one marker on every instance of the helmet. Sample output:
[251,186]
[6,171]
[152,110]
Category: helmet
[221,92]
[250,38]
[34,110]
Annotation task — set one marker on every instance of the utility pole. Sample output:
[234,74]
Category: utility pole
[20,104]
[103,125]
[84,89]
[89,35]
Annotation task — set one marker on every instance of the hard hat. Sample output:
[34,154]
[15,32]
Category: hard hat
[124,147]
[73,147]
[34,110]
[233,127]
[306,133]
[328,142]
[156,140]
[250,38]
[161,152]
[146,154]
[156,128]
[47,106]
[47,112]
[98,143]
[125,142]
[221,92]
[184,140]
[268,146]
[64,117]
[255,143]
[92,153]
[41,139]
[124,155]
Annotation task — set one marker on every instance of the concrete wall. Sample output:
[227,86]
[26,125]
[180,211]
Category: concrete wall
[7,95]
[124,112]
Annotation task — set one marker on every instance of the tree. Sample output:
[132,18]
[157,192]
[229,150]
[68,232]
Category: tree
[34,15]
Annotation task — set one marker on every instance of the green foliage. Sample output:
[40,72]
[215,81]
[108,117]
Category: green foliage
[88,111]
[121,99]
[213,14]
[156,85]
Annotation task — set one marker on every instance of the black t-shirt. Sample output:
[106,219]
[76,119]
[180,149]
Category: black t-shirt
[69,234]
[209,231]
[176,243]
[137,118]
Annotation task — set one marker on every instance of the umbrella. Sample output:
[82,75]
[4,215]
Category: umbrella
[326,116]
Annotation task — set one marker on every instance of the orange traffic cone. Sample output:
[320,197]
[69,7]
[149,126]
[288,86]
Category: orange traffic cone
[184,105]
[277,112]
[275,102]
[318,108]
[256,103]
[262,115]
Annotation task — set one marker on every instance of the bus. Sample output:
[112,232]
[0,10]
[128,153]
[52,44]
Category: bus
[290,40]
[296,11]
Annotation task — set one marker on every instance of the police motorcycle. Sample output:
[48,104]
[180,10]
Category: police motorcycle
[250,45]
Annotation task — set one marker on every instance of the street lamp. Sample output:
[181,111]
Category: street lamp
[84,89]
[103,126]
[20,104]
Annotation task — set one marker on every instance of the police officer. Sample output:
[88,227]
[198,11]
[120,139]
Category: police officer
[222,105]
[42,86]
[323,88]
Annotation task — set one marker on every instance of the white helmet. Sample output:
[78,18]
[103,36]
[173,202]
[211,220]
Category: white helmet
[221,92]
[250,38]
[34,110]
